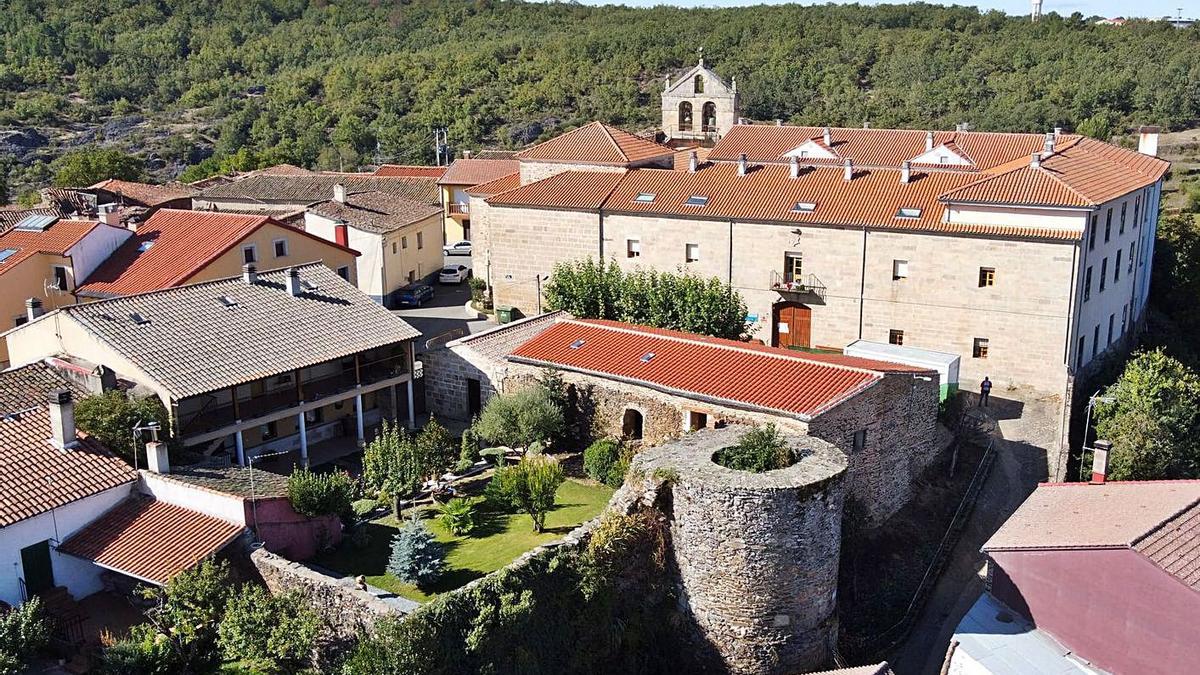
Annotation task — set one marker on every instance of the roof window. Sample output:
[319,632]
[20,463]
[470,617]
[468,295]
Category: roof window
[697,200]
[35,223]
[145,246]
[6,253]
[645,197]
[227,301]
[804,207]
[647,357]
[137,318]
[308,286]
[908,212]
[577,344]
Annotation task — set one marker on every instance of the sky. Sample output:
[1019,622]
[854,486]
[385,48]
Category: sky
[1110,8]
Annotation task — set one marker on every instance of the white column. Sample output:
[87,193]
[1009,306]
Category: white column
[303,441]
[241,448]
[358,415]
[412,418]
[395,403]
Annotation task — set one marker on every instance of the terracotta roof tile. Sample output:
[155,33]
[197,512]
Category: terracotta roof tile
[407,170]
[37,476]
[1175,546]
[376,212]
[146,194]
[311,188]
[180,244]
[729,372]
[494,187]
[476,171]
[596,143]
[1029,186]
[497,343]
[150,539]
[56,239]
[566,190]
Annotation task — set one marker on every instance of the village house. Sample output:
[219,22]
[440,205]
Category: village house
[461,175]
[400,240]
[175,247]
[292,191]
[42,260]
[648,385]
[263,362]
[1090,578]
[146,196]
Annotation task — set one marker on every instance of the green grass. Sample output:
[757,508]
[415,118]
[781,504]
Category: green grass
[497,540]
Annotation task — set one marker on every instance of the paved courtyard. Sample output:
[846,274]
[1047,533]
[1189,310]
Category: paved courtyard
[445,313]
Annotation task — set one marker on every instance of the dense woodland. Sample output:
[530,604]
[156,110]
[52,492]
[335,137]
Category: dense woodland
[338,83]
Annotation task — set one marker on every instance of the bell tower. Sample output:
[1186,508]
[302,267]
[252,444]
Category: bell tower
[699,105]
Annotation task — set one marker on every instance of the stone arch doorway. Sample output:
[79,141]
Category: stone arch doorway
[685,116]
[709,116]
[631,424]
[793,325]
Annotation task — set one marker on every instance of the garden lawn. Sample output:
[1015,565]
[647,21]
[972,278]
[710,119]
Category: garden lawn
[497,540]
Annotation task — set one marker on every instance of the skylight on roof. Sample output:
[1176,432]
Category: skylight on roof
[645,197]
[577,344]
[906,212]
[145,246]
[804,207]
[308,285]
[36,223]
[6,253]
[697,200]
[227,301]
[137,318]
[646,358]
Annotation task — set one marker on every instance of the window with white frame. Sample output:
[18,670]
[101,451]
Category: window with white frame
[692,252]
[281,248]
[899,270]
[249,254]
[633,248]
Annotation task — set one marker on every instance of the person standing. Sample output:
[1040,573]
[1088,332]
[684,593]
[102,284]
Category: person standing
[985,388]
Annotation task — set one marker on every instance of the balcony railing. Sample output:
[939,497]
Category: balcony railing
[458,209]
[807,284]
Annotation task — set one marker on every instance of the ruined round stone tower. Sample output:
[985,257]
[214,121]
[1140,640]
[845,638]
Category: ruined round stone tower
[756,554]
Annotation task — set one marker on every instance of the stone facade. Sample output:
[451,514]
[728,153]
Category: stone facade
[447,373]
[684,101]
[755,555]
[526,243]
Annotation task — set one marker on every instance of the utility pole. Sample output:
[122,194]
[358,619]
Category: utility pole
[441,145]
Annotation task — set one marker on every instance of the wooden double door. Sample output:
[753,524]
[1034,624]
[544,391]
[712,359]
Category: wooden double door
[793,325]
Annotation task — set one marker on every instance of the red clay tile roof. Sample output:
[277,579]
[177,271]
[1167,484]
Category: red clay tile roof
[36,476]
[567,190]
[478,171]
[596,143]
[56,239]
[494,187]
[729,372]
[497,343]
[376,212]
[146,194]
[182,243]
[12,216]
[1175,546]
[409,170]
[150,540]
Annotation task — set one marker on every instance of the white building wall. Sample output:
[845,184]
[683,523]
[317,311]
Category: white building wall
[208,502]
[370,268]
[95,247]
[80,577]
[1015,216]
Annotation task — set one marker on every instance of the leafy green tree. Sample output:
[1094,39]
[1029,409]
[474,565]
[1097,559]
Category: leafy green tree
[530,485]
[600,457]
[274,632]
[520,419]
[24,631]
[320,494]
[393,463]
[435,444]
[82,168]
[1099,126]
[111,417]
[417,557]
[1153,421]
[468,452]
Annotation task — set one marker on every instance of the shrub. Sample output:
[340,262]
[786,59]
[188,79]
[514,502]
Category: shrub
[758,450]
[417,557]
[458,516]
[317,494]
[24,632]
[363,507]
[530,485]
[599,457]
[616,473]
[275,631]
[435,445]
[478,286]
[468,452]
[521,418]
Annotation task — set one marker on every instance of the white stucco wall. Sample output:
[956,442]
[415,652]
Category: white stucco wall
[95,247]
[208,502]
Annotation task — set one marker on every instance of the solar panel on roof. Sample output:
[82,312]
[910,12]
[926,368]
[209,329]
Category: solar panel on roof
[36,223]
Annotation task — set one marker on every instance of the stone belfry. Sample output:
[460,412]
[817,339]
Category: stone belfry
[699,105]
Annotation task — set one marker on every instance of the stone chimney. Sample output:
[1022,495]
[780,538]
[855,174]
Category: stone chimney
[33,308]
[156,457]
[111,216]
[928,141]
[693,161]
[1057,132]
[249,273]
[294,288]
[795,166]
[848,169]
[1035,161]
[667,85]
[1100,461]
[1148,141]
[905,171]
[1048,145]
[778,122]
[827,137]
[742,164]
[62,420]
[339,193]
[466,154]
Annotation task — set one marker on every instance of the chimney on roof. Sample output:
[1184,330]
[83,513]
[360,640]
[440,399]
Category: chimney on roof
[1048,145]
[742,164]
[959,128]
[693,161]
[1057,132]
[339,193]
[156,457]
[111,216]
[795,166]
[1148,141]
[1035,161]
[848,169]
[249,273]
[905,171]
[466,154]
[866,124]
[778,122]
[293,282]
[62,420]
[1100,461]
[33,309]
[928,141]
[667,86]
[827,137]
[741,120]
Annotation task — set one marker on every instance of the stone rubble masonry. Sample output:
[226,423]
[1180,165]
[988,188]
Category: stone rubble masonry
[755,555]
[447,371]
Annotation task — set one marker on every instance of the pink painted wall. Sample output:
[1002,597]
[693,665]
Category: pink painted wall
[1112,607]
[290,534]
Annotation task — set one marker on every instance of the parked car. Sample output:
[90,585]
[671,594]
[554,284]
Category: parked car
[413,295]
[454,274]
[457,248]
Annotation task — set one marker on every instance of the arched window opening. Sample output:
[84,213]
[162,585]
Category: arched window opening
[631,425]
[685,116]
[709,117]
[699,84]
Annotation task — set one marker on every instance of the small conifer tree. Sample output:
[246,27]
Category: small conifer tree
[417,557]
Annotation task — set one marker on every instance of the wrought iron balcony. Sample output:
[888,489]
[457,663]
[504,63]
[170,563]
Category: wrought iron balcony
[807,284]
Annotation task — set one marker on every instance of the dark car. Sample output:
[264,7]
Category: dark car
[413,295]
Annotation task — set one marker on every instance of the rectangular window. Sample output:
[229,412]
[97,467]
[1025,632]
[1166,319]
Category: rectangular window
[1103,274]
[249,254]
[1087,284]
[644,197]
[269,430]
[393,248]
[987,277]
[60,278]
[860,440]
[633,248]
[1111,320]
[344,272]
[1137,209]
[696,200]
[1124,318]
[895,337]
[1117,267]
[899,269]
[404,242]
[1121,229]
[793,267]
[21,320]
[412,276]
[420,240]
[281,248]
[1108,225]
[1095,340]
[692,252]
[1130,270]
[980,349]
[1092,233]
[1079,354]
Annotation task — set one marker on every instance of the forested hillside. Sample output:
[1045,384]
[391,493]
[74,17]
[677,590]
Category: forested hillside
[341,82]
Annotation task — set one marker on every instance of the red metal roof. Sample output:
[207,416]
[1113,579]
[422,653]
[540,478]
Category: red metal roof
[596,143]
[409,170]
[729,372]
[181,244]
[150,539]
